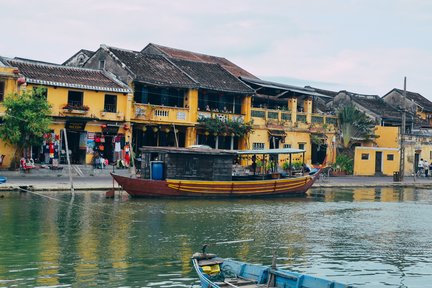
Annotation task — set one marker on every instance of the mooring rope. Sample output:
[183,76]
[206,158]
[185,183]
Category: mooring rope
[64,202]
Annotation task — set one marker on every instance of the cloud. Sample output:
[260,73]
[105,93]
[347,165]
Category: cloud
[365,45]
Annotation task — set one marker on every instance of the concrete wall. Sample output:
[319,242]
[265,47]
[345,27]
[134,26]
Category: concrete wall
[364,161]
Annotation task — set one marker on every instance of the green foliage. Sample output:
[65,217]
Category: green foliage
[295,165]
[26,118]
[354,125]
[344,163]
[218,126]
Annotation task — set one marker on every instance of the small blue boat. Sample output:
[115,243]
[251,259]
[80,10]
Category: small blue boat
[3,179]
[215,272]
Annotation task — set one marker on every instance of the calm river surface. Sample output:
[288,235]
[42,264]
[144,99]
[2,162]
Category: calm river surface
[367,237]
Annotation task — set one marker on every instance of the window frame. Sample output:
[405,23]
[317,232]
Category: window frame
[107,107]
[74,102]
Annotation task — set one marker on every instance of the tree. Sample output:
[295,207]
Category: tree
[354,125]
[26,120]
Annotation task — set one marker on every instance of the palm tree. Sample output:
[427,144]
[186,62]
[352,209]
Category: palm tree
[354,125]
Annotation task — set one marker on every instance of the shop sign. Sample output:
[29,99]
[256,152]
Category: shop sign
[75,125]
[110,129]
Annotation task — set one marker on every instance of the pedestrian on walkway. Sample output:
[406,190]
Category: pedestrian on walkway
[420,167]
[426,168]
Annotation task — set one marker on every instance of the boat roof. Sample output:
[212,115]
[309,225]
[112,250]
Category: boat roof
[271,151]
[189,150]
[202,149]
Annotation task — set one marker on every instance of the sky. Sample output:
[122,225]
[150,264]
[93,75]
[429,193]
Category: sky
[363,46]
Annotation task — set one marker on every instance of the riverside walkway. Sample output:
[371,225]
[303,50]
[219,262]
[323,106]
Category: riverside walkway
[86,178]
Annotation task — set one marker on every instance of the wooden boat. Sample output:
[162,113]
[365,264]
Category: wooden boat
[198,172]
[215,272]
[3,179]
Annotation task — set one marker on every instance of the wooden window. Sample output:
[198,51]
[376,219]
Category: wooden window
[110,104]
[2,90]
[287,146]
[258,146]
[301,145]
[390,157]
[75,98]
[365,156]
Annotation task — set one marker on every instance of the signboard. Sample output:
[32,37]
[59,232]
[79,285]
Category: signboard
[75,125]
[110,130]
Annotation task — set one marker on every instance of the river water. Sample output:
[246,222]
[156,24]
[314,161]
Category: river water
[368,237]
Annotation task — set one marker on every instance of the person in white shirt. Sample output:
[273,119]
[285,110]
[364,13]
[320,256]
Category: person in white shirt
[426,168]
[420,166]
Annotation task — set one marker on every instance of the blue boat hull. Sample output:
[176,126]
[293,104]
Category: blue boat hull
[3,179]
[215,272]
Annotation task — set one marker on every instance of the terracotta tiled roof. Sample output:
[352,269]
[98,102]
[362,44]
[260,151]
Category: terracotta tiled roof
[198,57]
[63,76]
[212,76]
[153,69]
[417,98]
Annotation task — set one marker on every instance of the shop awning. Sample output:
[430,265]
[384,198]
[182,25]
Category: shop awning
[277,133]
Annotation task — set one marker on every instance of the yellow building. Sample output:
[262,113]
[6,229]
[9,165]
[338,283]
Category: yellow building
[171,94]
[285,117]
[370,161]
[91,106]
[8,84]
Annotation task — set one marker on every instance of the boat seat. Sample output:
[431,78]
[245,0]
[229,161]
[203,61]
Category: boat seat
[209,262]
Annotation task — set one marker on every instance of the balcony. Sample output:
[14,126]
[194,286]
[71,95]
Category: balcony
[265,117]
[74,108]
[220,115]
[158,113]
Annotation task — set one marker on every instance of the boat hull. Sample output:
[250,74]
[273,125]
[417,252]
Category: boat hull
[230,273]
[136,187]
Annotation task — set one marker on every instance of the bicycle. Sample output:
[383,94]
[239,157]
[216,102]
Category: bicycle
[325,174]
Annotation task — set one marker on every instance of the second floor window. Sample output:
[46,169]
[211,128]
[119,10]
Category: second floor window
[75,98]
[110,104]
[2,90]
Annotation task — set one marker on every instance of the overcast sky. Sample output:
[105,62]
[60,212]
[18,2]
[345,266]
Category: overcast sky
[363,46]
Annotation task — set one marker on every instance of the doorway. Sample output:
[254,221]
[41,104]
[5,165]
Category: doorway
[378,162]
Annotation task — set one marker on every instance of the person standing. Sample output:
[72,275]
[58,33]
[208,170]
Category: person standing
[426,167]
[420,167]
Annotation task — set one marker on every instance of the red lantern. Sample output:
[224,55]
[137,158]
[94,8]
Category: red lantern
[103,126]
[126,127]
[21,80]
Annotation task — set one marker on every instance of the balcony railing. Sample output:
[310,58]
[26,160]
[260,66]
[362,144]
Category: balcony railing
[220,115]
[161,113]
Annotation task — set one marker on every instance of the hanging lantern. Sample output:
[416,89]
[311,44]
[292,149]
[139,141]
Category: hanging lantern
[103,126]
[126,127]
[224,134]
[207,133]
[155,129]
[144,129]
[167,130]
[215,134]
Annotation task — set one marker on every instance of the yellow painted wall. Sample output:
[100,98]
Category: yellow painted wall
[388,137]
[367,167]
[10,79]
[293,138]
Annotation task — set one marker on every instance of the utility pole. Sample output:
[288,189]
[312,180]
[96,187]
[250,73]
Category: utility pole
[402,135]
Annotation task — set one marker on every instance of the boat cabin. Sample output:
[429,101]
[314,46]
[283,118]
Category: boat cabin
[204,163]
[159,163]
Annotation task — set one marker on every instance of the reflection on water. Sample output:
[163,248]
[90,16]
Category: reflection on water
[369,237]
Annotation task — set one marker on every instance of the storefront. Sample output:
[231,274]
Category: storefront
[76,140]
